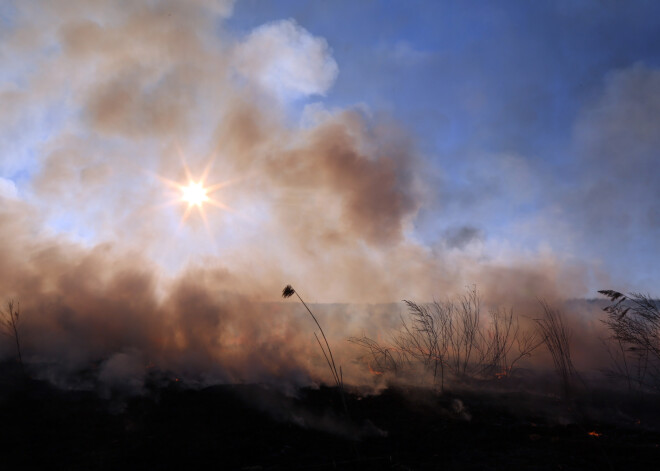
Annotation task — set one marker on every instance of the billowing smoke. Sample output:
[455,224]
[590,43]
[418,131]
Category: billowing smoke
[104,102]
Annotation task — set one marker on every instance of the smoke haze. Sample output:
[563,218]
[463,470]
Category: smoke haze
[104,102]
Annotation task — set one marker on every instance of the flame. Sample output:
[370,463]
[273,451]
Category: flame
[375,372]
[595,434]
[502,374]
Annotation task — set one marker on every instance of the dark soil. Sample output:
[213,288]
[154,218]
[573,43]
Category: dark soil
[252,427]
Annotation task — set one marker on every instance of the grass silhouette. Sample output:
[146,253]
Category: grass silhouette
[9,321]
[337,375]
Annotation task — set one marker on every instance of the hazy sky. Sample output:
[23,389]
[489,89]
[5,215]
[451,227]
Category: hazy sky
[370,150]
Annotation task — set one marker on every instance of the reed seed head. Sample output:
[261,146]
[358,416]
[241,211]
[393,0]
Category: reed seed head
[288,291]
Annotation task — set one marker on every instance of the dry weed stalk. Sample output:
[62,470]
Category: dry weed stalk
[448,339]
[337,374]
[505,333]
[556,336]
[9,323]
[383,358]
[634,320]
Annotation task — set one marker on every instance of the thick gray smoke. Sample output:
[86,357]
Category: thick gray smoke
[122,97]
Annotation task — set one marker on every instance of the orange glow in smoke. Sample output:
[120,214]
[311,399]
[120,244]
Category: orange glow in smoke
[375,372]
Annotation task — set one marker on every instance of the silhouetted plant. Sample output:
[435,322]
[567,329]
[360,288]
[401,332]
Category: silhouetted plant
[631,369]
[466,334]
[556,336]
[427,338]
[9,322]
[504,334]
[383,358]
[337,375]
[448,338]
[634,320]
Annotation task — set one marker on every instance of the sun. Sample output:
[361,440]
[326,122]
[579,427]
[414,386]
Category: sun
[194,194]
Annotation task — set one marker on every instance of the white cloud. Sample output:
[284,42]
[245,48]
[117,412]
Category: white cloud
[285,59]
[8,189]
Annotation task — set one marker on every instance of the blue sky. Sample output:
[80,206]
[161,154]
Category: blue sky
[472,79]
[533,66]
[507,134]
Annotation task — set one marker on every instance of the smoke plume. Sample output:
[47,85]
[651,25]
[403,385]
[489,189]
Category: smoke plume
[104,103]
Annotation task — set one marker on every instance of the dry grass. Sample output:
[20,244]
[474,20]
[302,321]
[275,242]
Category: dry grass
[337,375]
[557,338]
[449,339]
[634,321]
[9,325]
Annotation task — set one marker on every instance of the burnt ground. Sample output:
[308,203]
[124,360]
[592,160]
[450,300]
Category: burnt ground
[253,427]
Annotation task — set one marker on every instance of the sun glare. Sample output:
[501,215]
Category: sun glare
[194,194]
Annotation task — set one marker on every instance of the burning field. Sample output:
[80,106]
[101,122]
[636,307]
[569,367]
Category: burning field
[448,389]
[313,235]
